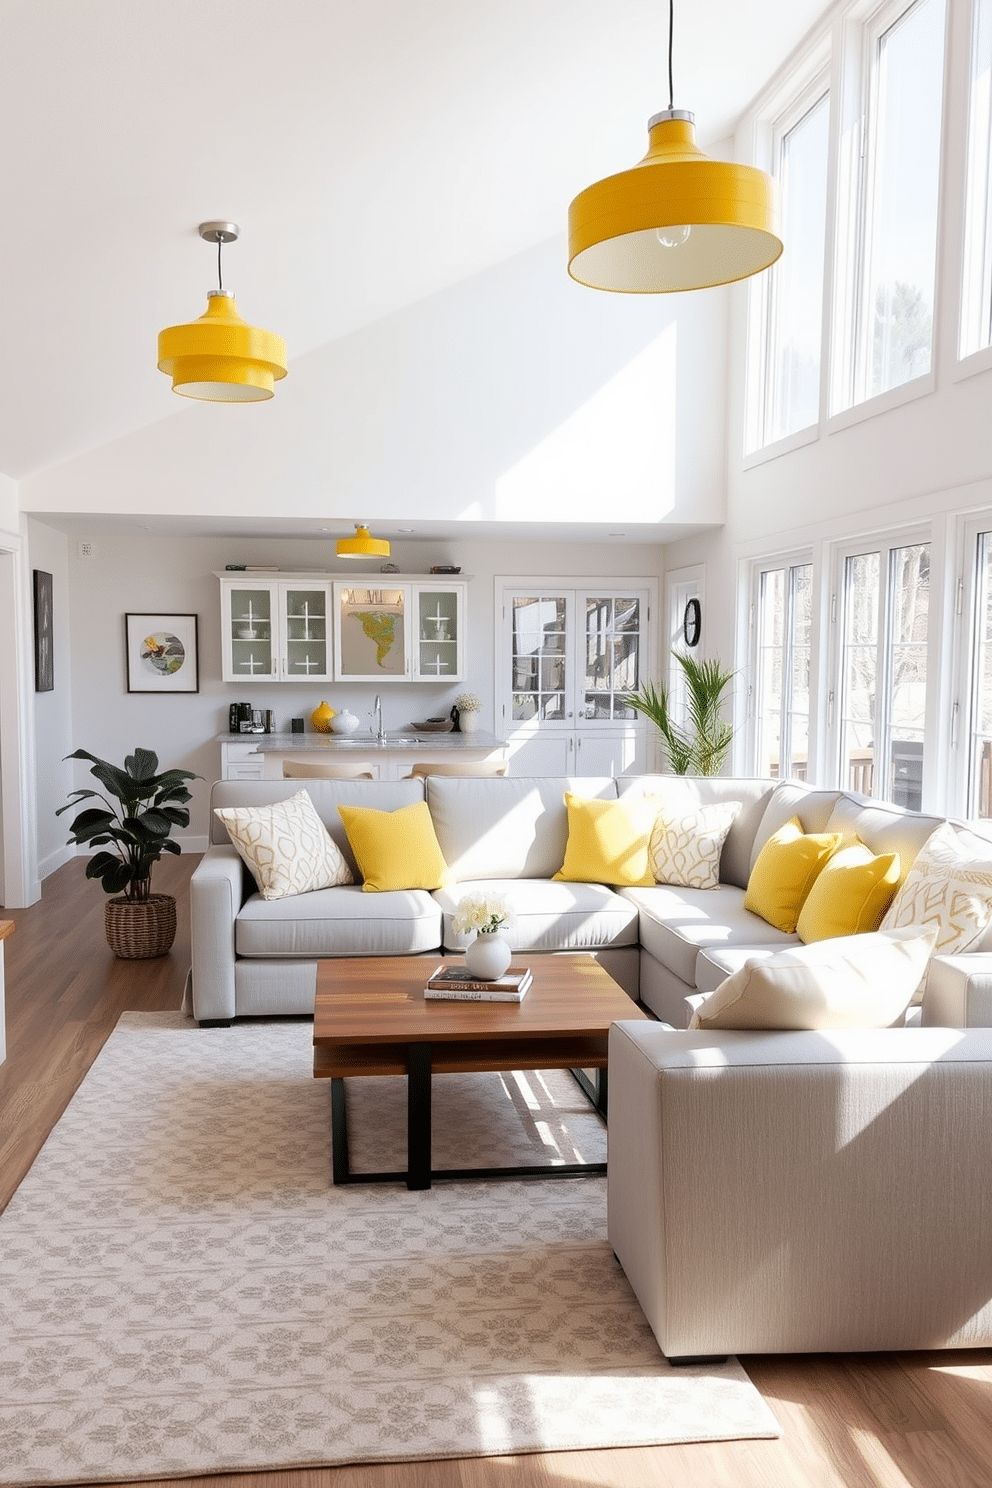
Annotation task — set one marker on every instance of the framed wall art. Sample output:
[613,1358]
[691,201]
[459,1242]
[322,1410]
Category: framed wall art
[161,653]
[44,635]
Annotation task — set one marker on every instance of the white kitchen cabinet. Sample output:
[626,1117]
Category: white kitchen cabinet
[569,653]
[241,761]
[392,631]
[276,630]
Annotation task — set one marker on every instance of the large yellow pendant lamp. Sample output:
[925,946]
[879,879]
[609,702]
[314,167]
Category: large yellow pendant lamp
[220,357]
[362,545]
[676,220]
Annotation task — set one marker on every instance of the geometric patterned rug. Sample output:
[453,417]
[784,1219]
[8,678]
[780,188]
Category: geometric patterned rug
[184,1291]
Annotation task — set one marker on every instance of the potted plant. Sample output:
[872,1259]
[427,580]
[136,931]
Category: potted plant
[700,748]
[139,810]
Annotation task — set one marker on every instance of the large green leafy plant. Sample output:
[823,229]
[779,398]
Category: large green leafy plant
[138,820]
[702,745]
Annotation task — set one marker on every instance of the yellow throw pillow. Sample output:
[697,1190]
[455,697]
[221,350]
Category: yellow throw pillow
[850,894]
[608,841]
[395,849]
[784,871]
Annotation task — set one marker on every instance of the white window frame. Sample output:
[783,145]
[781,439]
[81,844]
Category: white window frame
[763,305]
[770,563]
[975,316]
[962,648]
[883,542]
[849,397]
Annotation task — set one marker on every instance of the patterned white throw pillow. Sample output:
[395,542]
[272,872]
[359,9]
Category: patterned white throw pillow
[286,846]
[949,887]
[685,848]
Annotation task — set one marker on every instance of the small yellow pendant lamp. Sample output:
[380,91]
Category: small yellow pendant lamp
[676,220]
[220,357]
[362,545]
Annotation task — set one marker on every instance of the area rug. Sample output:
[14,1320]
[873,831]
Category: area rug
[183,1290]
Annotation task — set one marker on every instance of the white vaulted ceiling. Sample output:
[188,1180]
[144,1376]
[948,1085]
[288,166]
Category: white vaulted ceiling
[373,152]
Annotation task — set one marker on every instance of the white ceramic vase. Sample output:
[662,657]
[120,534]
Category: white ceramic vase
[487,956]
[468,722]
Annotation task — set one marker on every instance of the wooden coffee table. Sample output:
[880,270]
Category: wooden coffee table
[371,1018]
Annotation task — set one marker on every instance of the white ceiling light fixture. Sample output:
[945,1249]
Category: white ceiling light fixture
[676,220]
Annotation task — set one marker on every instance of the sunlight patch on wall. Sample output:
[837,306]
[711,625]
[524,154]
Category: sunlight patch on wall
[614,456]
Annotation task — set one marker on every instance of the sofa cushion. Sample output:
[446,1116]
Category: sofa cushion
[339,922]
[784,872]
[683,792]
[882,827]
[549,915]
[789,799]
[686,845]
[949,887]
[608,841]
[675,924]
[285,846]
[506,827]
[856,981]
[395,849]
[849,895]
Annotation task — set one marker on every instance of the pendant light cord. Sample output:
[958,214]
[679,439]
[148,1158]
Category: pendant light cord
[671,27]
[220,280]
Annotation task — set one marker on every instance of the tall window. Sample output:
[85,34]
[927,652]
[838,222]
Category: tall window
[783,635]
[897,197]
[886,602]
[976,302]
[980,765]
[786,394]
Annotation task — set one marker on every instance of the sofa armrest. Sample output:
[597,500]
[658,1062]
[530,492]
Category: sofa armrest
[789,1192]
[215,897]
[959,991]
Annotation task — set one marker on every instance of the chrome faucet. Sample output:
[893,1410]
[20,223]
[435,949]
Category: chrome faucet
[380,732]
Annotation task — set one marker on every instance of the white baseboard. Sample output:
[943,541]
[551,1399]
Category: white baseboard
[48,865]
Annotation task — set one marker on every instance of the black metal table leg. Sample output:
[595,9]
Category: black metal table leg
[418,1116]
[339,1132]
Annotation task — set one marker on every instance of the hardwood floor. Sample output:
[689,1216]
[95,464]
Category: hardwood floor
[850,1421]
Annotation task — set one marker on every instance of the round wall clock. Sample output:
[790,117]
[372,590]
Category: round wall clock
[692,622]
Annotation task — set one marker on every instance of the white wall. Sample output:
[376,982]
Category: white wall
[516,395]
[156,575]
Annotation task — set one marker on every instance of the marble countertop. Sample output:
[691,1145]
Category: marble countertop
[350,743]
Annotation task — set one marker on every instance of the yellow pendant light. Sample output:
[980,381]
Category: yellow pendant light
[220,357]
[677,220]
[362,545]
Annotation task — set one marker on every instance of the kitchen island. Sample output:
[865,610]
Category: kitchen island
[260,756]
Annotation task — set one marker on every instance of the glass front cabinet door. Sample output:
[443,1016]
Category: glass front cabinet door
[370,632]
[276,632]
[404,632]
[438,653]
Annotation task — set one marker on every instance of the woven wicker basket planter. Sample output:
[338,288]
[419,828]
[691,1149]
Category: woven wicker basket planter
[137,929]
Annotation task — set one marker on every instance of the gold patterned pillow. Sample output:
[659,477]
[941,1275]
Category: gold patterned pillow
[949,887]
[286,846]
[685,848]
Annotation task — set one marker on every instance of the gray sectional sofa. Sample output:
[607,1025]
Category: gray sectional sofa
[663,945]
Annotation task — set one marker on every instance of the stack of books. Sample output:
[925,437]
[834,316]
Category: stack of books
[453,983]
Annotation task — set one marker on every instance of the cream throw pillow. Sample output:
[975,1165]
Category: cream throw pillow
[685,847]
[855,981]
[947,887]
[286,846]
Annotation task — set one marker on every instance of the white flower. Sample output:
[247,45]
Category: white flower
[467,702]
[485,912]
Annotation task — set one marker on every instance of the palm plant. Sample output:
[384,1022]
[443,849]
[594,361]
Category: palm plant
[139,827]
[702,746]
